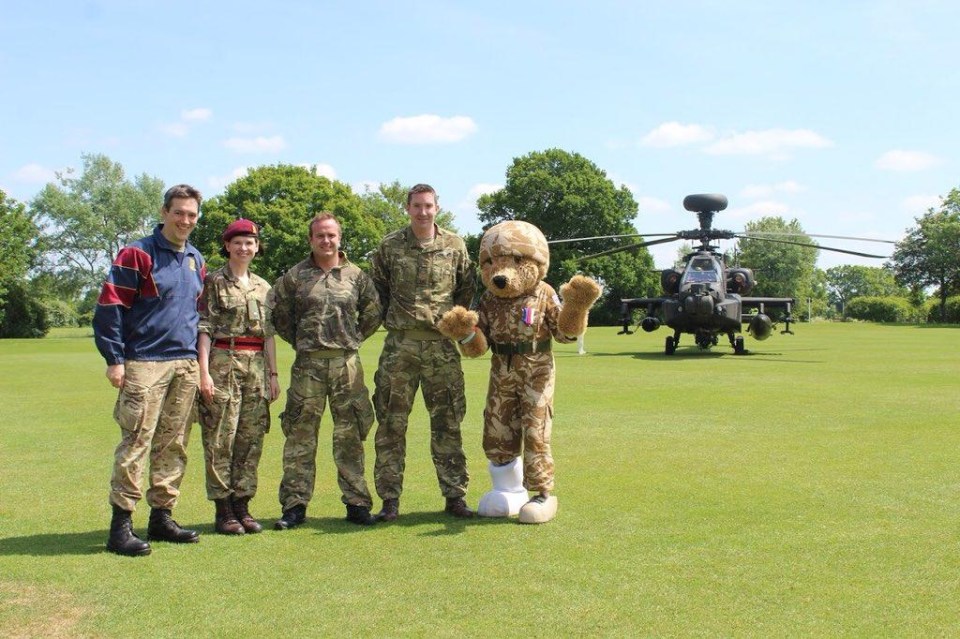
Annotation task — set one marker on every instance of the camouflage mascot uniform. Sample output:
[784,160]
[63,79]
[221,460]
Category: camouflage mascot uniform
[325,316]
[517,316]
[235,422]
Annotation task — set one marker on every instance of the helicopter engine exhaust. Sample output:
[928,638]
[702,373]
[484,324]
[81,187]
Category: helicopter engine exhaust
[650,324]
[761,326]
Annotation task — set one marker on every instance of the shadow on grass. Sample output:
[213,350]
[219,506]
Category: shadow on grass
[55,544]
[436,524]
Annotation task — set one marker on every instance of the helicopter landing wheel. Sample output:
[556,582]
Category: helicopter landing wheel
[738,348]
[670,345]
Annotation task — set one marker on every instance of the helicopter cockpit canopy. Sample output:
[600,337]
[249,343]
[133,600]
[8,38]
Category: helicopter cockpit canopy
[702,270]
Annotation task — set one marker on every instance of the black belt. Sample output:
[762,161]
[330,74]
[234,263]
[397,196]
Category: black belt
[521,348]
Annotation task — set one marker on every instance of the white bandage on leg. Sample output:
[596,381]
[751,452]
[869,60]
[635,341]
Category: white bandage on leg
[508,493]
[536,512]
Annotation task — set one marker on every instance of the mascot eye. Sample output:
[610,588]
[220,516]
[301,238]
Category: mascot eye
[488,261]
[517,259]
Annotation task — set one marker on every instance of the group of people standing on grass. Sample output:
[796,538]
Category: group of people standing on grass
[170,332]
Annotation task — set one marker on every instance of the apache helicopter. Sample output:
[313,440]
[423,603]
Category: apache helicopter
[705,298]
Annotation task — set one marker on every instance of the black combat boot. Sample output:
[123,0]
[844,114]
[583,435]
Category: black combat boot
[225,521]
[242,511]
[390,510]
[291,518]
[123,540]
[360,515]
[162,527]
[457,507]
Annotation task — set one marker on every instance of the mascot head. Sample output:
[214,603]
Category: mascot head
[514,257]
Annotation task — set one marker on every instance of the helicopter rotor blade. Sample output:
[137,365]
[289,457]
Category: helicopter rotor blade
[629,247]
[763,234]
[610,237]
[816,246]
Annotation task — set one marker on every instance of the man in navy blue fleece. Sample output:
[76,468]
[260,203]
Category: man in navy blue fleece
[145,326]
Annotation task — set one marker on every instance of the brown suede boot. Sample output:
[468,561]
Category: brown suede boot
[240,509]
[226,522]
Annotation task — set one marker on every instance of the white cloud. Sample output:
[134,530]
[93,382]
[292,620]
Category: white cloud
[324,170]
[427,129]
[196,115]
[675,134]
[919,204]
[652,205]
[175,129]
[259,144]
[34,174]
[766,190]
[773,142]
[899,160]
[482,188]
[763,208]
[219,182]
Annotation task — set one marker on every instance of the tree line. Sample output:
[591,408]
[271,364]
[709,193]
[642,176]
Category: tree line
[55,249]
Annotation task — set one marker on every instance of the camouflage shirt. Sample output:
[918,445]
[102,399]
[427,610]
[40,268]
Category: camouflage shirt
[231,309]
[418,284]
[314,310]
[529,318]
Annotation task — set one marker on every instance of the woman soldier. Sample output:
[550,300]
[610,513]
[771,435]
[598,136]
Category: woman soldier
[238,378]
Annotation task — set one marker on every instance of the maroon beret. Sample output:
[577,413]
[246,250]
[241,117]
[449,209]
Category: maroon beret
[240,227]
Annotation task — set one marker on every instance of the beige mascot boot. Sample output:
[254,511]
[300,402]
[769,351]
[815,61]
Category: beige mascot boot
[508,493]
[539,510]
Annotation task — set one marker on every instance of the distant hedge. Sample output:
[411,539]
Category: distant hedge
[931,310]
[882,309]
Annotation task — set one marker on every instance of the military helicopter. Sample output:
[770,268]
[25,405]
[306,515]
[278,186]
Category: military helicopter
[706,298]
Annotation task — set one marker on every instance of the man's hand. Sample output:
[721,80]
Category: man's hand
[116,373]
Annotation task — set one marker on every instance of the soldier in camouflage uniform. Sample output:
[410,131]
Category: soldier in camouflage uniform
[238,379]
[325,307]
[420,272]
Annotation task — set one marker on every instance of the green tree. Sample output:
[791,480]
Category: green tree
[927,256]
[566,195]
[87,219]
[20,247]
[849,281]
[283,199]
[388,203]
[782,270]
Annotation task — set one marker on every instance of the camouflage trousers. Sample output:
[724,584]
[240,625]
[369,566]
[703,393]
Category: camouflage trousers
[314,377]
[153,411]
[519,415]
[404,366]
[234,423]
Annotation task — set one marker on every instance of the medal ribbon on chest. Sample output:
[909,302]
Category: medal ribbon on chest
[528,315]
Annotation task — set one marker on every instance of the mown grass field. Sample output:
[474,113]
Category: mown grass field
[811,488]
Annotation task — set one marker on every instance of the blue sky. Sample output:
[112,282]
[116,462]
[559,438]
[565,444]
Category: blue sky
[842,115]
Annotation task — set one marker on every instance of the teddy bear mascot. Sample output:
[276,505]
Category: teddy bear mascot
[516,317]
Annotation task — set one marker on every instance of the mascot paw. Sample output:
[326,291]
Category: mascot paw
[539,510]
[581,291]
[508,494]
[457,323]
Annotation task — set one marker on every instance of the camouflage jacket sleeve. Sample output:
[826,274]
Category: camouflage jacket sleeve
[466,286]
[380,279]
[207,305]
[550,303]
[369,310]
[281,307]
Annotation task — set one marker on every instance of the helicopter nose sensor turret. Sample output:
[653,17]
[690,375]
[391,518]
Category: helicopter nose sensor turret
[761,326]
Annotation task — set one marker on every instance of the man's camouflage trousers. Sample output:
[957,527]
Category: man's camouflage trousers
[405,365]
[519,415]
[235,422]
[314,377]
[153,410]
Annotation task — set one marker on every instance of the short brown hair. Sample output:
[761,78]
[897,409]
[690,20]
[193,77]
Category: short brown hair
[421,188]
[184,191]
[320,217]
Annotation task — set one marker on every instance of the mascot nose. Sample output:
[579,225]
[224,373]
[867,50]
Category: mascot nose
[500,281]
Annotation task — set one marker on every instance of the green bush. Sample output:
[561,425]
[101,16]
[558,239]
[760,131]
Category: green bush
[881,309]
[931,310]
[24,316]
[60,314]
